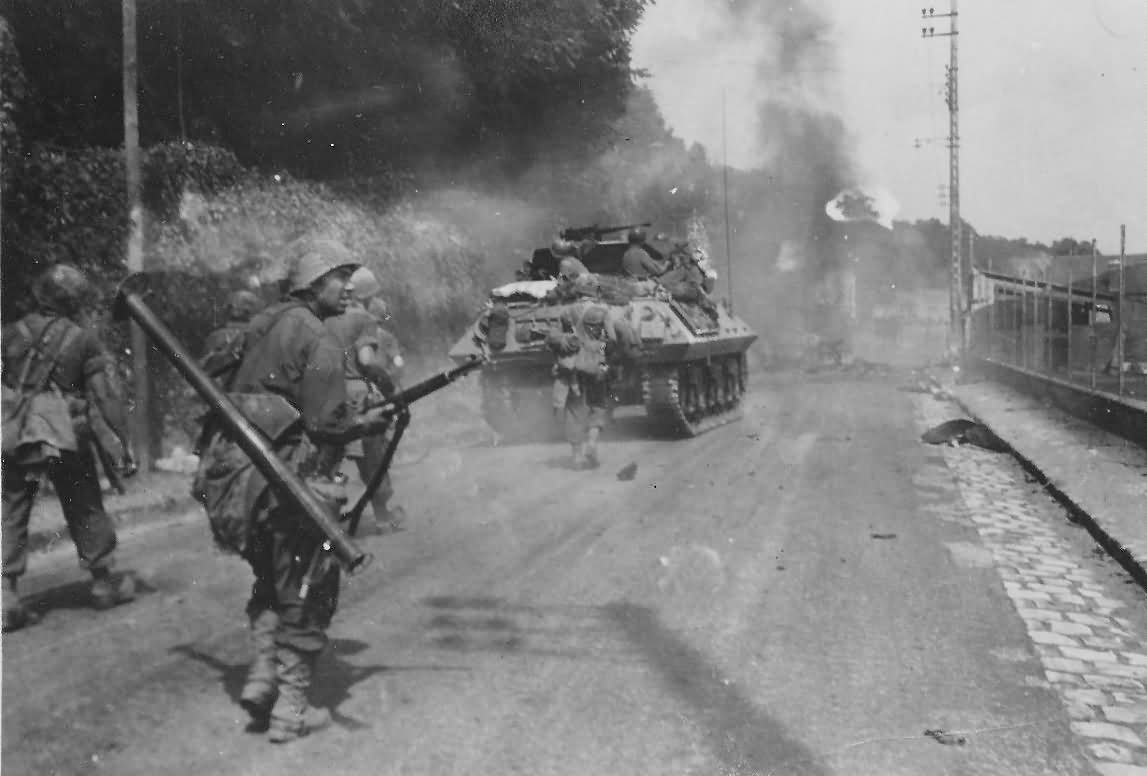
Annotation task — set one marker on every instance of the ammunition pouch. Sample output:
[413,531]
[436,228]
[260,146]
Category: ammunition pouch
[270,413]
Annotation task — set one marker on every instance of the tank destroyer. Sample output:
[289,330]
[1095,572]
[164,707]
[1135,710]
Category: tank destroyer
[690,373]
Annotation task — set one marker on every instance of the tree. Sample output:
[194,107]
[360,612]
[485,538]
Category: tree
[331,87]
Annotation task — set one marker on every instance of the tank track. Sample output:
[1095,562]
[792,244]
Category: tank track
[696,396]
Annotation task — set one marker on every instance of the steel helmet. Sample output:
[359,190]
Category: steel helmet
[316,259]
[594,316]
[62,288]
[636,236]
[571,268]
[562,247]
[365,283]
[242,305]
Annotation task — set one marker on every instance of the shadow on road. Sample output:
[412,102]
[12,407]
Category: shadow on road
[77,595]
[745,738]
[332,684]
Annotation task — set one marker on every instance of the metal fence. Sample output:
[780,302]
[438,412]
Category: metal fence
[1090,331]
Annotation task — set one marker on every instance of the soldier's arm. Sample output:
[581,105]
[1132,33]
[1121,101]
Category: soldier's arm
[653,266]
[326,413]
[103,389]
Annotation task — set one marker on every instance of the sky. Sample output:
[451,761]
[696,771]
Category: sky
[1052,104]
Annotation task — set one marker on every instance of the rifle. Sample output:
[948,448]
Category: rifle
[399,405]
[578,233]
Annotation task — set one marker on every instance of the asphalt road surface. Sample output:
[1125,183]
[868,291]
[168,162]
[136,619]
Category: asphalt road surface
[802,592]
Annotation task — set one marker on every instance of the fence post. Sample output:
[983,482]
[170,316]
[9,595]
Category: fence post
[1119,346]
[1049,330]
[1093,336]
[1070,309]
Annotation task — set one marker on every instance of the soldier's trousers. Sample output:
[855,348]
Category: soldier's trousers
[280,557]
[586,408]
[373,449]
[77,485]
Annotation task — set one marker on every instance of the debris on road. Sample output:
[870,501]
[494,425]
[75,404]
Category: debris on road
[883,535]
[964,431]
[627,472]
[948,739]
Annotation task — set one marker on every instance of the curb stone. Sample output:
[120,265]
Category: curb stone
[1077,514]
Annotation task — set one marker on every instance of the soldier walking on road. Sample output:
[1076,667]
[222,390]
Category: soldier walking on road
[584,345]
[52,368]
[373,368]
[290,359]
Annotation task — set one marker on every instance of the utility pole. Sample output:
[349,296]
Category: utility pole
[141,441]
[956,291]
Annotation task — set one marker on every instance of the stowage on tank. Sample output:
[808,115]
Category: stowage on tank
[690,372]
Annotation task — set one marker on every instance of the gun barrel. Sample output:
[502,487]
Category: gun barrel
[432,384]
[129,304]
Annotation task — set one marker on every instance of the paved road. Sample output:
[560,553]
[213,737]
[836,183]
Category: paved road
[805,592]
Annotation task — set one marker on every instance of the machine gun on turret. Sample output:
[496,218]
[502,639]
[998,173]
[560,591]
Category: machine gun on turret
[595,232]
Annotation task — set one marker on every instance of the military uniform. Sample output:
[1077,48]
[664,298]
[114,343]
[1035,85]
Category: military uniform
[355,329]
[59,445]
[583,345]
[288,353]
[639,265]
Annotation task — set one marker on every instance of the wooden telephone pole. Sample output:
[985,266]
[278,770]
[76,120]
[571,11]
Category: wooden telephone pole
[141,442]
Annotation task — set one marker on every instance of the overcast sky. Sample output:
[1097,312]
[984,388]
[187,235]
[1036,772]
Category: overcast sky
[1053,104]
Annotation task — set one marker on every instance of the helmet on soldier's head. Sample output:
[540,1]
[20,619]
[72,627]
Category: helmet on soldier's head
[317,259]
[636,236]
[560,247]
[242,305]
[585,285]
[63,289]
[570,268]
[594,316]
[366,285]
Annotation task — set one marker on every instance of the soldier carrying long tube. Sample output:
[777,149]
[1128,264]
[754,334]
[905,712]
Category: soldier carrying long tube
[289,406]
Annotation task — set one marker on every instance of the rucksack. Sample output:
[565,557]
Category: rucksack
[39,414]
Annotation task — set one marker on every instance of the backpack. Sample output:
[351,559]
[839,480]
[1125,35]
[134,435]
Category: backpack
[39,415]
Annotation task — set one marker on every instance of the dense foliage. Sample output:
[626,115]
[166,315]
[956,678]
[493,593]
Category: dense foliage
[331,87]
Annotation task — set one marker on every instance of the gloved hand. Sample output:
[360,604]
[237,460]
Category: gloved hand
[126,466]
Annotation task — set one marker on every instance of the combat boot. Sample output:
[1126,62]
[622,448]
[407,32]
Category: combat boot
[262,686]
[106,594]
[292,716]
[15,615]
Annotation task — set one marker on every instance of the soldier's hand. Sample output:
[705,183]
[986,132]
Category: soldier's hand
[377,419]
[127,467]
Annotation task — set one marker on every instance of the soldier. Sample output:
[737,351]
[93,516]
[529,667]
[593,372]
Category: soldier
[52,367]
[584,346]
[686,281]
[637,263]
[223,347]
[372,364]
[289,358]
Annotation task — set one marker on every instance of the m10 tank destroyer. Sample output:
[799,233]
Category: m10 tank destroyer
[690,371]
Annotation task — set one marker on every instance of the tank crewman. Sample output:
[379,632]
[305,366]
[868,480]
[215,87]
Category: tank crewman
[223,347]
[637,263]
[369,353]
[685,280]
[584,345]
[288,355]
[52,368]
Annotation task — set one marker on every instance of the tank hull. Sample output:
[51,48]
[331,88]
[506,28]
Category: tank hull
[690,373]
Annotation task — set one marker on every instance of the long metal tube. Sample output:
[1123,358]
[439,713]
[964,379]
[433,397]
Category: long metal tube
[129,304]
